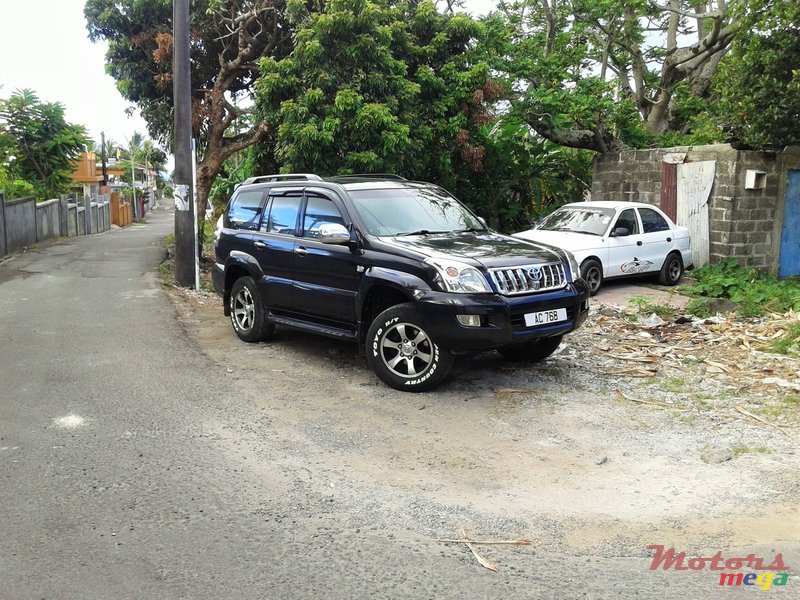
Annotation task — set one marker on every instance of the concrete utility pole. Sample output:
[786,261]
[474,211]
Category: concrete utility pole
[185,242]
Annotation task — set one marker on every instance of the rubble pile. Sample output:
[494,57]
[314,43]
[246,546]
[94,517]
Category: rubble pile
[723,357]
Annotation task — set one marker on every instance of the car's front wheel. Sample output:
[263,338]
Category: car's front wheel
[247,312]
[592,273]
[671,270]
[402,352]
[533,351]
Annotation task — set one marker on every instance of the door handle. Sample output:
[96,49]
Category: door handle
[639,243]
[260,245]
[300,251]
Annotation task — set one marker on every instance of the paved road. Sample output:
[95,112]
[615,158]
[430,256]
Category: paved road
[128,469]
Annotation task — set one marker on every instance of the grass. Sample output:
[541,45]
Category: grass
[647,307]
[741,449]
[788,343]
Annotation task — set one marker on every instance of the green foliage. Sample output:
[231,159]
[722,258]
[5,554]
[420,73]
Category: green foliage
[754,292]
[38,143]
[647,307]
[232,173]
[788,343]
[758,85]
[13,187]
[378,86]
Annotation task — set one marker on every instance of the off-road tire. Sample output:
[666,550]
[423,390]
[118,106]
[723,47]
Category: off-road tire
[402,353]
[248,318]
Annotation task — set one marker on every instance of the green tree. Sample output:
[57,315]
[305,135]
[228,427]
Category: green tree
[757,92]
[228,39]
[40,140]
[397,87]
[604,74]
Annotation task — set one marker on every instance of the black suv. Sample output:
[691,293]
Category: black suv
[401,267]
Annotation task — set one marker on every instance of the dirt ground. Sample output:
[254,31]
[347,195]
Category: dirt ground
[630,435]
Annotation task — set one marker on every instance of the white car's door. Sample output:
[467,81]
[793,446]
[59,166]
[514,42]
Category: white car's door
[657,236]
[625,256]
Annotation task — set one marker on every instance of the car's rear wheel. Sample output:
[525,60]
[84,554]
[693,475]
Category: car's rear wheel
[592,273]
[533,351]
[402,352]
[247,312]
[671,270]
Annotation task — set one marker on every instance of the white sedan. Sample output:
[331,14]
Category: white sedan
[617,239]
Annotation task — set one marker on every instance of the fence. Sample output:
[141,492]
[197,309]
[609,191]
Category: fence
[23,222]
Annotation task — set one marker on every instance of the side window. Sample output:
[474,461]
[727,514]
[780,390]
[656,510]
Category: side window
[283,215]
[245,210]
[652,221]
[319,211]
[627,219]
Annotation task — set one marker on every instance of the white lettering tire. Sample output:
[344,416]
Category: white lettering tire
[402,352]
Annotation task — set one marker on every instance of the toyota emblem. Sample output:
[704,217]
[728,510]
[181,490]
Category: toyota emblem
[535,273]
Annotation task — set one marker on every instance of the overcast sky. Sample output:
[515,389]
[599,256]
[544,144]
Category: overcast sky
[44,47]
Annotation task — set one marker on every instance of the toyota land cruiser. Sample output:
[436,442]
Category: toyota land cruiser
[400,267]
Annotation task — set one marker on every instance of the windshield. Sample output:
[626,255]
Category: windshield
[592,221]
[409,211]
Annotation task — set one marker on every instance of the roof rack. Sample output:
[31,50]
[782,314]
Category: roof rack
[282,177]
[374,176]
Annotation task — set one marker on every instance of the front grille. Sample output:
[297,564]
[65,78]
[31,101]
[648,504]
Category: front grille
[529,278]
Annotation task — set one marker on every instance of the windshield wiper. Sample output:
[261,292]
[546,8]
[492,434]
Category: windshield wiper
[419,232]
[472,230]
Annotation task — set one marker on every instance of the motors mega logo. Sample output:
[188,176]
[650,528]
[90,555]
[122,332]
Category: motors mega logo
[731,568]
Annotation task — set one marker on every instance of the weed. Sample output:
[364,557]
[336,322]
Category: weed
[645,306]
[166,272]
[741,449]
[755,293]
[676,385]
[788,343]
[792,400]
[699,307]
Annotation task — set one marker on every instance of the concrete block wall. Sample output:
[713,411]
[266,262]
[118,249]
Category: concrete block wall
[20,217]
[23,222]
[48,220]
[744,223]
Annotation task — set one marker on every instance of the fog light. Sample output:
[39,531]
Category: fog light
[469,320]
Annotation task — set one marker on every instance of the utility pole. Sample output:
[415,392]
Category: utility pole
[185,243]
[136,214]
[103,157]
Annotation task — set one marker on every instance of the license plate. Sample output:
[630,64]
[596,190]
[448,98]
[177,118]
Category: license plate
[546,316]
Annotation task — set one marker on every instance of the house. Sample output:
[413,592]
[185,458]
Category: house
[86,173]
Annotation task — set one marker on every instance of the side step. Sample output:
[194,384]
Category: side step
[326,330]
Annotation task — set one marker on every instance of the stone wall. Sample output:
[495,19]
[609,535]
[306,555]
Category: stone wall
[744,224]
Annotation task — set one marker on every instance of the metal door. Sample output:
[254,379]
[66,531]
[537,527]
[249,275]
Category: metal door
[789,265]
[695,181]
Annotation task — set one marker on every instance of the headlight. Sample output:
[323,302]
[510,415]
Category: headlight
[458,277]
[574,267]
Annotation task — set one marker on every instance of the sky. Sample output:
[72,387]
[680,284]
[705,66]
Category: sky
[55,59]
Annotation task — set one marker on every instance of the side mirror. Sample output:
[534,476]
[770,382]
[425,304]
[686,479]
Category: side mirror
[333,233]
[621,232]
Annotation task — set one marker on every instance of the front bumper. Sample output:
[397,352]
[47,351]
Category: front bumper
[502,317]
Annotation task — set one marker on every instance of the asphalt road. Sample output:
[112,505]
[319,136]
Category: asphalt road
[130,467]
